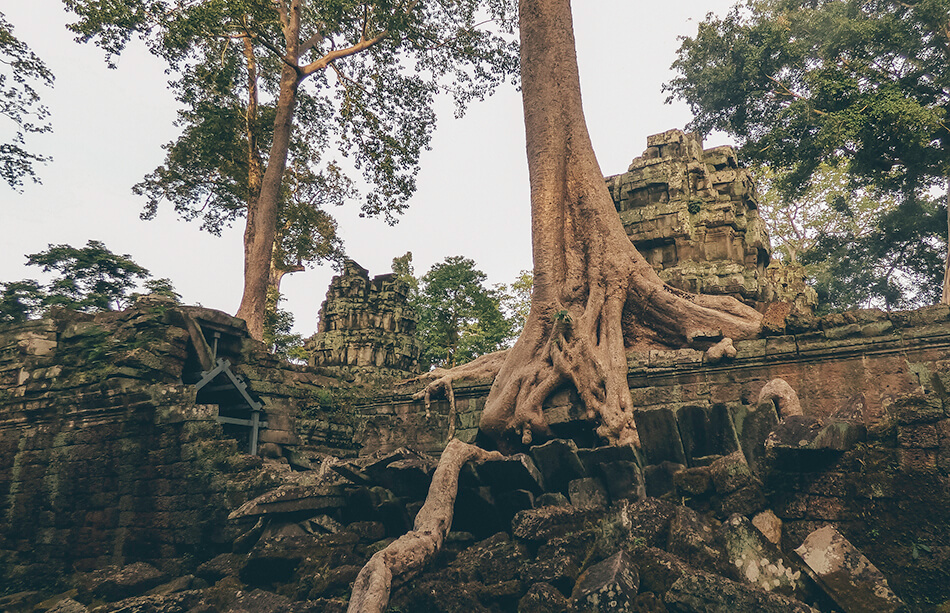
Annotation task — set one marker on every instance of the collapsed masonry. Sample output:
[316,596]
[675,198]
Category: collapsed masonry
[367,328]
[692,213]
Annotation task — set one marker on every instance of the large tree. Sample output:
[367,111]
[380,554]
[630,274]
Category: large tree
[21,71]
[459,317]
[850,83]
[593,297]
[271,91]
[861,249]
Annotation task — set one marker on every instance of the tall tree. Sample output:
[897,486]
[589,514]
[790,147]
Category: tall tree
[460,318]
[801,83]
[90,279]
[593,296]
[268,86]
[21,71]
[860,249]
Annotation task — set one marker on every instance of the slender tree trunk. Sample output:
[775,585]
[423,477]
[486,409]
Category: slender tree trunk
[255,166]
[261,229]
[945,298]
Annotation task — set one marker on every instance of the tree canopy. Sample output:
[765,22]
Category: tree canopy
[860,248]
[275,93]
[852,87]
[89,279]
[21,72]
[800,83]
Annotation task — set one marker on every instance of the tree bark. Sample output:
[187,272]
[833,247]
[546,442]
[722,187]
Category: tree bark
[261,228]
[945,297]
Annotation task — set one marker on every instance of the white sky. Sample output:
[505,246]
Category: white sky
[110,125]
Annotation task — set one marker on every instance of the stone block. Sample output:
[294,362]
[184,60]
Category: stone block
[658,478]
[116,583]
[624,480]
[917,409]
[693,481]
[730,473]
[545,523]
[701,592]
[757,559]
[846,575]
[922,436]
[650,520]
[561,572]
[608,587]
[692,538]
[769,525]
[543,598]
[515,472]
[594,458]
[588,493]
[919,461]
[659,436]
[745,501]
[558,463]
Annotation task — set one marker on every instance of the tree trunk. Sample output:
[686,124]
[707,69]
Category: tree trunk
[594,295]
[261,228]
[945,298]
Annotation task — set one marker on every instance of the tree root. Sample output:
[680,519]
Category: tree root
[405,557]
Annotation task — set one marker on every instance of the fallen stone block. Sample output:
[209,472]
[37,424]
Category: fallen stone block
[758,560]
[851,580]
[623,479]
[693,481]
[588,493]
[756,428]
[543,598]
[700,592]
[516,472]
[730,473]
[610,586]
[561,572]
[693,539]
[221,566]
[658,478]
[545,523]
[117,583]
[769,525]
[559,464]
[649,520]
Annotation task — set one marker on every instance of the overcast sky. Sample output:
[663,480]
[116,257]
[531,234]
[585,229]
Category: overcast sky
[110,125]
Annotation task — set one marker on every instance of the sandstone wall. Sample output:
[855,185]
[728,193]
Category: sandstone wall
[108,455]
[866,356]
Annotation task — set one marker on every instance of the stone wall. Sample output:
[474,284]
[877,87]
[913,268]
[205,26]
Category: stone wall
[107,453]
[367,328]
[869,356]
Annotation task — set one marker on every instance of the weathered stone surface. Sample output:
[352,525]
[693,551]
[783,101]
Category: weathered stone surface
[608,587]
[176,602]
[291,499]
[700,592]
[116,583]
[769,525]
[367,328]
[659,569]
[515,472]
[730,473]
[659,478]
[781,395]
[624,480]
[559,464]
[220,566]
[846,575]
[693,539]
[693,481]
[588,493]
[543,598]
[757,559]
[544,523]
[659,436]
[275,560]
[67,605]
[561,572]
[649,521]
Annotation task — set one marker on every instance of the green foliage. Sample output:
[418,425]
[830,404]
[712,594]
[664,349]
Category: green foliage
[278,324]
[460,318]
[860,248]
[89,279]
[846,101]
[402,268]
[373,106]
[800,83]
[20,72]
[21,300]
[516,300]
